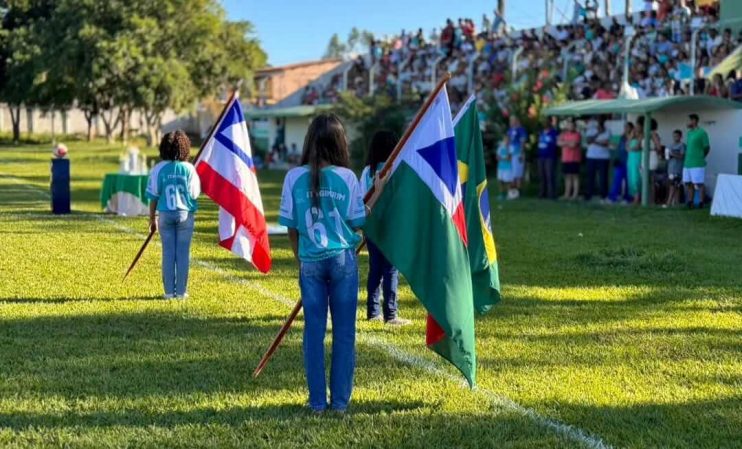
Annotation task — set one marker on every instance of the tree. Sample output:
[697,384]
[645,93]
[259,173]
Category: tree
[119,56]
[20,56]
[369,114]
[335,48]
[358,42]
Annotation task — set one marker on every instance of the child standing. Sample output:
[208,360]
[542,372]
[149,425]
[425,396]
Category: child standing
[380,272]
[675,167]
[504,167]
[175,179]
[571,143]
[634,161]
[321,205]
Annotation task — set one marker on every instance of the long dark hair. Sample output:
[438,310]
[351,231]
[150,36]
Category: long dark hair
[325,142]
[381,147]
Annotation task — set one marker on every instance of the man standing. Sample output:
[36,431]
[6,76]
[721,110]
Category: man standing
[694,166]
[547,159]
[598,158]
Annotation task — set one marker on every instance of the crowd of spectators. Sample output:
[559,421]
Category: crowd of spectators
[586,54]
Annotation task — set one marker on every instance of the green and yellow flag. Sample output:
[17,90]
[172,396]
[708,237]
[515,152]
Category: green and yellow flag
[473,176]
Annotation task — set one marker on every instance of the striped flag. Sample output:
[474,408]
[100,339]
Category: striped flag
[228,177]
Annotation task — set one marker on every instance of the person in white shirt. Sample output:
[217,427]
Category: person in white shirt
[598,158]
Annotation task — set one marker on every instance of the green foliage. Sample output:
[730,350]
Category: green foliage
[525,98]
[637,359]
[365,116]
[335,48]
[113,57]
[358,42]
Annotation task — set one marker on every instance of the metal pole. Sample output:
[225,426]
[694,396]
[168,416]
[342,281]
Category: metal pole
[626,55]
[645,158]
[693,50]
[565,66]
[546,12]
[514,66]
[345,76]
[399,82]
[371,74]
[434,69]
[470,75]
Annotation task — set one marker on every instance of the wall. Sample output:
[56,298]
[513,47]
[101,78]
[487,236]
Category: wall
[724,132]
[37,121]
[283,82]
[296,129]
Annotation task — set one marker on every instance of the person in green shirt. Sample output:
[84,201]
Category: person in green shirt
[694,165]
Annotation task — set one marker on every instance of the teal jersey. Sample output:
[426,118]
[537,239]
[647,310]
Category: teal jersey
[367,181]
[175,185]
[326,226]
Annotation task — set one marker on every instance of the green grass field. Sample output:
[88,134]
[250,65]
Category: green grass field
[619,328]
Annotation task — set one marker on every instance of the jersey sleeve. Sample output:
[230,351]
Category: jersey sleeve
[286,212]
[153,184]
[356,207]
[365,181]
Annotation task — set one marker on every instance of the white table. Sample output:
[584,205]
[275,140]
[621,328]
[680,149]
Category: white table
[728,196]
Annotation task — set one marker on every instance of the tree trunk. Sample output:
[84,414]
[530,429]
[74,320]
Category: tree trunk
[15,119]
[124,118]
[109,124]
[89,120]
[501,7]
[153,121]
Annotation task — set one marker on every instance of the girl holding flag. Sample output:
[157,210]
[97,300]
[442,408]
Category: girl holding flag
[380,271]
[322,206]
[172,188]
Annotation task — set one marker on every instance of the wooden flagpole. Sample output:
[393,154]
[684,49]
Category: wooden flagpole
[139,254]
[387,167]
[235,94]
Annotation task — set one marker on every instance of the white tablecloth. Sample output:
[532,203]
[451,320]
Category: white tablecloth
[728,196]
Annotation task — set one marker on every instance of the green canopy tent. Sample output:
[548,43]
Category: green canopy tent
[645,107]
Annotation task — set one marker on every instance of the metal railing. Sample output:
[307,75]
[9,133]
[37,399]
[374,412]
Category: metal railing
[371,75]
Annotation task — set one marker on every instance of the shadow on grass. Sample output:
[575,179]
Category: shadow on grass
[291,426]
[65,300]
[233,416]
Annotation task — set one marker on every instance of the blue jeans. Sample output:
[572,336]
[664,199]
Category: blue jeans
[176,231]
[330,283]
[619,183]
[599,167]
[381,272]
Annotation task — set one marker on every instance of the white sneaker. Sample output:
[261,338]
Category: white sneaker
[183,296]
[398,322]
[168,296]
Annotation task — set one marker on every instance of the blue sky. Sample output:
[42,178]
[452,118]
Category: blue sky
[298,30]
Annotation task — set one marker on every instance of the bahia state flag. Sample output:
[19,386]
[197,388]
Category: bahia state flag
[418,223]
[473,175]
[228,177]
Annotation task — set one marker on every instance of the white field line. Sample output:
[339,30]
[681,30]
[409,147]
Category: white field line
[573,433]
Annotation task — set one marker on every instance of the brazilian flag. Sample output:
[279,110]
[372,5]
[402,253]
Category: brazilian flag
[473,176]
